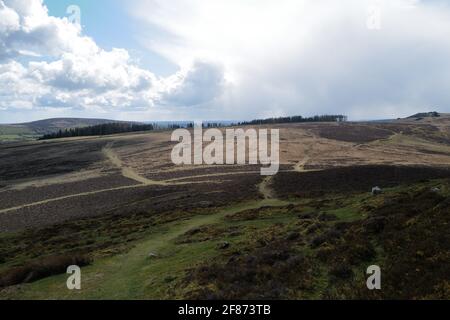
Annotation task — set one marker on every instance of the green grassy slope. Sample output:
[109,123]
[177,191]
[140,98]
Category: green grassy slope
[33,130]
[12,133]
[297,249]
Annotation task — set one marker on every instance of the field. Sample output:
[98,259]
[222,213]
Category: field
[16,133]
[34,130]
[143,228]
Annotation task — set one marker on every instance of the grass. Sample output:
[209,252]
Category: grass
[17,137]
[10,133]
[14,130]
[173,258]
[414,142]
[135,275]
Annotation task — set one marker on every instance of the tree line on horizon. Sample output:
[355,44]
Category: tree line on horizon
[99,130]
[297,119]
[280,120]
[124,127]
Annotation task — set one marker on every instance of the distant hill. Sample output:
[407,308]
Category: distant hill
[99,130]
[53,125]
[432,114]
[36,129]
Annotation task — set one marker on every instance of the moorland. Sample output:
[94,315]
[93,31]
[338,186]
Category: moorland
[142,228]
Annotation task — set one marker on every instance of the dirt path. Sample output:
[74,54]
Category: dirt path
[84,194]
[300,167]
[128,172]
[116,276]
[115,160]
[127,275]
[20,185]
[212,175]
[265,190]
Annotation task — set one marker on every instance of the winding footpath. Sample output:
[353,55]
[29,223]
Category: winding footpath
[130,173]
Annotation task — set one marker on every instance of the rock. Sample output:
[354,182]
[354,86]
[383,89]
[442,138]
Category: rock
[376,191]
[435,190]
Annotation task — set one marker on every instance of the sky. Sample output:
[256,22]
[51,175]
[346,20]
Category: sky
[150,60]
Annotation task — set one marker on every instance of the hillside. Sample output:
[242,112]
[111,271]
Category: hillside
[432,114]
[142,227]
[35,129]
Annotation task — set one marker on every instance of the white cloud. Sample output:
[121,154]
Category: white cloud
[66,69]
[309,57]
[29,28]
[200,83]
[238,59]
[103,71]
[9,19]
[17,91]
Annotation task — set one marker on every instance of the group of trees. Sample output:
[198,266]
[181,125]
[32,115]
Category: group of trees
[298,119]
[99,130]
[208,125]
[432,114]
[123,127]
[294,119]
